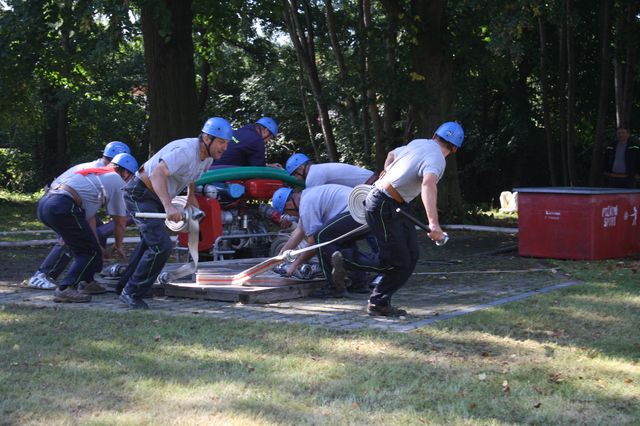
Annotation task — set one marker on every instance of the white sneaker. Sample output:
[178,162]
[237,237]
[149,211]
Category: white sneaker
[40,281]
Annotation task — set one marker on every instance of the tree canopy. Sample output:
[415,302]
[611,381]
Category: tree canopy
[539,87]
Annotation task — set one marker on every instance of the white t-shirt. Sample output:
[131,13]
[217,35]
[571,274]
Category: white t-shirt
[318,204]
[411,163]
[182,158]
[97,191]
[338,173]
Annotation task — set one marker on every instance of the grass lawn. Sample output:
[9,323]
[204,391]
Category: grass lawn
[569,357]
[18,211]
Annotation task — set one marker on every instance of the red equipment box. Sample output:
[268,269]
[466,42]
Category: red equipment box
[578,223]
[211,224]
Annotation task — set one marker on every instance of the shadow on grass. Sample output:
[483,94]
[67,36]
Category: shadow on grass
[63,366]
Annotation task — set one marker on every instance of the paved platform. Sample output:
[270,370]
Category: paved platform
[474,271]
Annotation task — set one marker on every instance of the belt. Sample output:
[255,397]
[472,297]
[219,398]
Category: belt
[66,188]
[374,177]
[145,179]
[617,175]
[392,191]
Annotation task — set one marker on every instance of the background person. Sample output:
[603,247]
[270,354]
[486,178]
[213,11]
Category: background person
[249,146]
[301,167]
[622,160]
[169,172]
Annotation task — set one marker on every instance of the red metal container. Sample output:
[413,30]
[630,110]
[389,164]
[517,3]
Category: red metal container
[578,223]
[210,226]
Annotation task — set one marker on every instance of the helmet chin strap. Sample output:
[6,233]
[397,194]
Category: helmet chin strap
[208,146]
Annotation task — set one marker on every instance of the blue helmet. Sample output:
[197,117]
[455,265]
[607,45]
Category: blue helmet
[218,127]
[114,148]
[126,161]
[280,198]
[270,124]
[295,161]
[451,132]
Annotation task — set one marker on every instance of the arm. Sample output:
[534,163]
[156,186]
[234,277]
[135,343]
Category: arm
[302,258]
[429,195]
[294,239]
[159,178]
[92,225]
[118,233]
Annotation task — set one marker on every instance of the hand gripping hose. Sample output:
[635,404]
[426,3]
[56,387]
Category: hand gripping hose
[190,224]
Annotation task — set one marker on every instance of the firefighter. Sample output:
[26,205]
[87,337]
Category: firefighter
[409,171]
[170,171]
[249,149]
[301,167]
[323,215]
[69,208]
[112,149]
[59,257]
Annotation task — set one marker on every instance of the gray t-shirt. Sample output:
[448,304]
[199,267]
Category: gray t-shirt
[182,158]
[97,191]
[100,162]
[338,173]
[318,204]
[411,163]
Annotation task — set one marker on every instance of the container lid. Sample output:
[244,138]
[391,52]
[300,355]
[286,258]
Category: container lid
[576,190]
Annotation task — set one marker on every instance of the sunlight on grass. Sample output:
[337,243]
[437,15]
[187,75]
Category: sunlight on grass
[569,357]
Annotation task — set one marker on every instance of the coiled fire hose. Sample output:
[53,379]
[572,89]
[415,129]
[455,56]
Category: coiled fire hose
[189,224]
[356,207]
[356,202]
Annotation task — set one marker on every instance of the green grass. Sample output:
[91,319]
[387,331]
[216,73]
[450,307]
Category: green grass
[19,211]
[569,357]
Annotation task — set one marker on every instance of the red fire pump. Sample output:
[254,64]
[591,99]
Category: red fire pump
[239,221]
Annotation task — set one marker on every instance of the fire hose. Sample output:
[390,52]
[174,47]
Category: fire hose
[190,223]
[356,207]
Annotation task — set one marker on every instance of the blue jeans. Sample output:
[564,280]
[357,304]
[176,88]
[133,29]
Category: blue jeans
[60,213]
[398,243]
[154,248]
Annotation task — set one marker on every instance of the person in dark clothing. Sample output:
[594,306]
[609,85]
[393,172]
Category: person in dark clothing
[249,149]
[622,160]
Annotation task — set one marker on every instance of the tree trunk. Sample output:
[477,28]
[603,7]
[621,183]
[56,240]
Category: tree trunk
[168,54]
[432,60]
[631,39]
[362,71]
[305,52]
[350,102]
[571,98]
[546,113]
[54,155]
[372,106]
[307,118]
[562,95]
[595,174]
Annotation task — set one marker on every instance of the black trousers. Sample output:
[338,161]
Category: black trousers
[398,242]
[335,227]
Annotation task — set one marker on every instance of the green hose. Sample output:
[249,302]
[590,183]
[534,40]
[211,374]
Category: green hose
[249,172]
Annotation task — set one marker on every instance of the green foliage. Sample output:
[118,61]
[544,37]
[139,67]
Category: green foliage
[16,171]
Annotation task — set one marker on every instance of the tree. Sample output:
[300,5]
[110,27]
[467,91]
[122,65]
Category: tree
[169,59]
